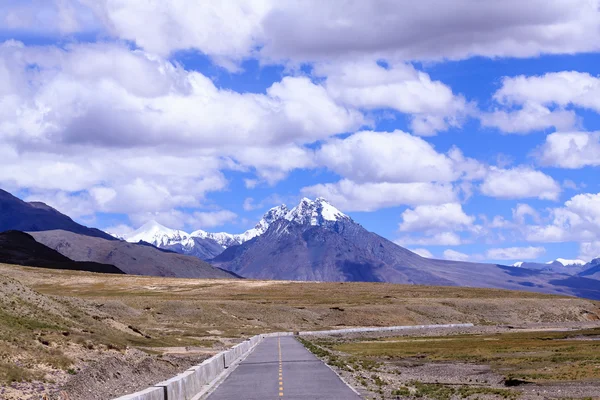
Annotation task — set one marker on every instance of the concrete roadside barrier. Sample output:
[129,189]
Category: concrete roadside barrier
[188,384]
[153,393]
[383,329]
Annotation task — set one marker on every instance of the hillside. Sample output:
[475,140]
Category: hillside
[136,259]
[81,322]
[22,249]
[16,214]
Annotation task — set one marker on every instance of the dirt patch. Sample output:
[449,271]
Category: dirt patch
[116,375]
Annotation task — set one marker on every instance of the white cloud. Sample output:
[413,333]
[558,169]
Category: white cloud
[308,30]
[521,211]
[541,101]
[515,253]
[589,250]
[213,218]
[531,117]
[119,93]
[128,132]
[435,217]
[303,30]
[352,196]
[391,157]
[225,30]
[422,252]
[519,183]
[120,230]
[564,88]
[578,220]
[437,239]
[454,255]
[570,150]
[368,85]
[395,157]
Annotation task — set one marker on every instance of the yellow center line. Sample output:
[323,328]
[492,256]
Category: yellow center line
[280,368]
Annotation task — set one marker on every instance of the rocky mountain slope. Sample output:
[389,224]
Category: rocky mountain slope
[22,249]
[201,244]
[16,214]
[592,270]
[131,258]
[316,242]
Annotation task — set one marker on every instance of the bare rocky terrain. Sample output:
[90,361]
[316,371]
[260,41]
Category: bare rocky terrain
[76,332]
[131,258]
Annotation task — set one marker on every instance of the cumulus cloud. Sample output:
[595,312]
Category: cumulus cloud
[213,218]
[519,183]
[570,150]
[309,30]
[578,220]
[365,84]
[422,252]
[435,217]
[125,131]
[352,196]
[531,103]
[454,255]
[437,239]
[589,250]
[531,117]
[456,30]
[395,157]
[564,88]
[521,211]
[515,253]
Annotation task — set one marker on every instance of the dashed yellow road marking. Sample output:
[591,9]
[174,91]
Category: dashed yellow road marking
[280,369]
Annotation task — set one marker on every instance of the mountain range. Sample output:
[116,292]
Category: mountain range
[311,241]
[62,243]
[202,244]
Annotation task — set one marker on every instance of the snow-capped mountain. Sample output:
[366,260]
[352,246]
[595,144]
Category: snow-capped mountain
[207,245]
[201,243]
[316,242]
[314,213]
[158,235]
[563,261]
[567,263]
[228,239]
[560,265]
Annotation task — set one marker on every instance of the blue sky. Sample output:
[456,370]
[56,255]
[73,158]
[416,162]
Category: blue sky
[469,134]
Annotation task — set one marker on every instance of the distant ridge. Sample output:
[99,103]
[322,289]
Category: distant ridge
[131,258]
[22,249]
[16,214]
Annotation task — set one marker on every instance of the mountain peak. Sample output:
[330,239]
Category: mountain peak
[156,234]
[315,212]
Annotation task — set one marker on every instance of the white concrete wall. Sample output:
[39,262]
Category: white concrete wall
[191,382]
[382,329]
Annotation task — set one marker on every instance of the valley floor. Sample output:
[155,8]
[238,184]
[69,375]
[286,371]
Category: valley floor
[99,336]
[558,362]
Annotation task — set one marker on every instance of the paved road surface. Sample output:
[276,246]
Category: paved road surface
[281,368]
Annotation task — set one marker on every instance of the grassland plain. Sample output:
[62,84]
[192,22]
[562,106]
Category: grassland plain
[69,331]
[523,364]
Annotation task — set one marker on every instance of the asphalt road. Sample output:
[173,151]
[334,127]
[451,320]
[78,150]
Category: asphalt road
[281,368]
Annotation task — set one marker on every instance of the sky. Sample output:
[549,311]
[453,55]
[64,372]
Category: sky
[463,130]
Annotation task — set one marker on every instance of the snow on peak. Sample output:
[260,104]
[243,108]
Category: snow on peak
[518,264]
[314,212]
[567,263]
[159,235]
